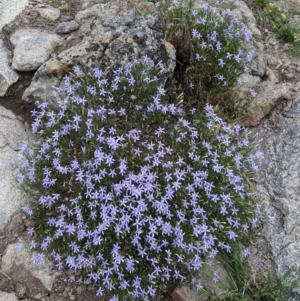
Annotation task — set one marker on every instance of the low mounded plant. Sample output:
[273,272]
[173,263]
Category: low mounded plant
[130,190]
[275,16]
[42,22]
[133,187]
[212,49]
[260,4]
[289,32]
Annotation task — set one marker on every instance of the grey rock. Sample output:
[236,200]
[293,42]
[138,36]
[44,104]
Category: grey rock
[254,29]
[204,277]
[270,76]
[49,12]
[268,96]
[272,41]
[281,182]
[32,48]
[258,65]
[250,80]
[15,225]
[15,260]
[113,38]
[7,296]
[12,133]
[7,113]
[289,76]
[67,27]
[95,10]
[12,129]
[7,75]
[20,289]
[185,293]
[271,60]
[244,10]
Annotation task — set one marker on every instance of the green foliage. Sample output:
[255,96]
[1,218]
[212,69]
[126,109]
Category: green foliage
[260,4]
[64,7]
[42,22]
[274,16]
[209,51]
[294,48]
[289,32]
[55,47]
[239,287]
[268,15]
[76,178]
[53,2]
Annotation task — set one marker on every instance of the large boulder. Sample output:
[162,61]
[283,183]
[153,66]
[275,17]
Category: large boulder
[112,39]
[278,248]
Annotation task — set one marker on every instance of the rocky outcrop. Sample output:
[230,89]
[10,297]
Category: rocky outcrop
[113,38]
[279,246]
[67,27]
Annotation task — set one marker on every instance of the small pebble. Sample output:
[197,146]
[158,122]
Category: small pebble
[289,76]
[79,290]
[20,290]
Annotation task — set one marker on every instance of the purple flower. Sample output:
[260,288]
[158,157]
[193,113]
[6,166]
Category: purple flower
[246,252]
[221,62]
[232,235]
[216,278]
[70,229]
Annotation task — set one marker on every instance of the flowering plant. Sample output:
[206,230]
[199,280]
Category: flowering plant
[213,50]
[132,190]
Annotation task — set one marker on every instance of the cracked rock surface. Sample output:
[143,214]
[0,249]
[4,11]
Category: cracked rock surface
[12,133]
[279,245]
[7,75]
